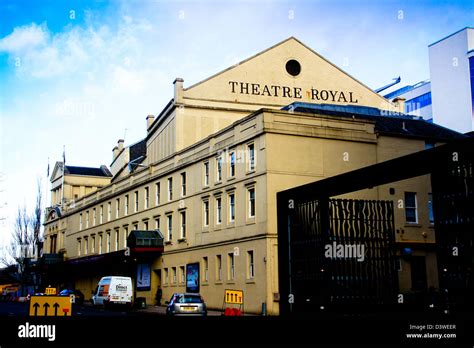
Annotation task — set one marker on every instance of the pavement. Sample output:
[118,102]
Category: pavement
[161,310]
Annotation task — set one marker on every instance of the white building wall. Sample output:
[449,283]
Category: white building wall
[450,81]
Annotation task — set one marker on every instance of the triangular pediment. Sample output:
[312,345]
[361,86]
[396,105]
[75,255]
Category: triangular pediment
[57,171]
[265,80]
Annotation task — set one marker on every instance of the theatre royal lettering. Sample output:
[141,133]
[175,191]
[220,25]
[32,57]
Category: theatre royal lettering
[291,92]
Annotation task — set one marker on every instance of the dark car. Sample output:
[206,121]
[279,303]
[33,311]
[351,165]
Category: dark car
[78,296]
[186,305]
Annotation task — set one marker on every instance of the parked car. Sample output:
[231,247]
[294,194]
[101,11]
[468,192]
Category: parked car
[186,304]
[78,296]
[113,290]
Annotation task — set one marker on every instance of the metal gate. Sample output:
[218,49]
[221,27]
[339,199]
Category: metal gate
[320,277]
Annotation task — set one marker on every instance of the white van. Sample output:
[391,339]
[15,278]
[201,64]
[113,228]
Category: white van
[113,290]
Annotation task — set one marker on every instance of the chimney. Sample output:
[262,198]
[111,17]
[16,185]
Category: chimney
[149,121]
[115,152]
[120,144]
[400,104]
[178,90]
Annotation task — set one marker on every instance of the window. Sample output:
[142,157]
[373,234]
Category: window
[218,210]
[205,213]
[125,236]
[183,184]
[166,276]
[230,266]
[135,226]
[174,274]
[109,211]
[251,202]
[232,163]
[170,227]
[170,189]
[218,267]
[250,265]
[136,201]
[117,239]
[86,245]
[80,221]
[147,197]
[430,208]
[219,168]
[182,274]
[93,245]
[157,223]
[231,207]
[183,224]
[251,156]
[206,174]
[100,243]
[205,268]
[108,243]
[410,207]
[79,247]
[87,219]
[101,214]
[145,225]
[117,208]
[93,217]
[157,197]
[126,205]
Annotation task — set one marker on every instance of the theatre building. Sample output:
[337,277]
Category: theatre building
[196,198]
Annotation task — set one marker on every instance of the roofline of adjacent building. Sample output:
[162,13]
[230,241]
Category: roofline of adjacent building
[444,38]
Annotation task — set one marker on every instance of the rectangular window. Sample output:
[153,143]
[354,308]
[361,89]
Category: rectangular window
[80,221]
[230,266]
[147,197]
[135,227]
[125,236]
[231,207]
[157,197]
[101,214]
[166,276]
[126,205]
[117,208]
[93,217]
[174,274]
[251,156]
[182,274]
[251,202]
[430,208]
[219,168]
[411,213]
[232,163]
[117,239]
[79,247]
[145,225]
[206,174]
[108,243]
[157,223]
[93,245]
[170,189]
[219,267]
[183,224]
[250,264]
[205,213]
[205,268]
[86,246]
[87,219]
[109,211]
[136,201]
[100,244]
[170,227]
[218,210]
[183,184]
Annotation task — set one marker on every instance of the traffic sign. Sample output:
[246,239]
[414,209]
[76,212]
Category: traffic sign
[50,291]
[234,296]
[50,306]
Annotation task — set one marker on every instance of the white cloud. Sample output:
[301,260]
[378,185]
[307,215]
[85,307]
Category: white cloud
[24,38]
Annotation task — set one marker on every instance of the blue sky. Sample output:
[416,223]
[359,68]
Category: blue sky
[84,73]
